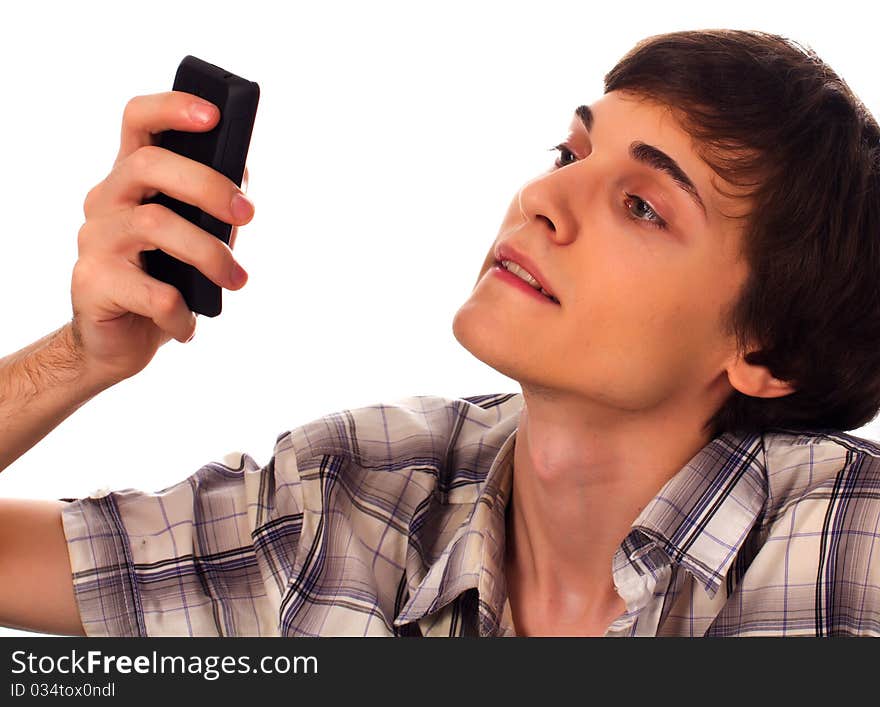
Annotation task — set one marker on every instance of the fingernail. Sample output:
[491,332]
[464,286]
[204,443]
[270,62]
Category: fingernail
[202,112]
[194,323]
[242,208]
[238,275]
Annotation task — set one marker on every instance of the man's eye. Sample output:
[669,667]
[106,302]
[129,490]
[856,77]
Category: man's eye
[564,153]
[647,215]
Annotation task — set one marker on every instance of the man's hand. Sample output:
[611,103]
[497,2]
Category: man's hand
[121,315]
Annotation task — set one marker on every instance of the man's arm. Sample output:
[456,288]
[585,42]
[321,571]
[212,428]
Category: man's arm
[121,317]
[40,387]
[36,586]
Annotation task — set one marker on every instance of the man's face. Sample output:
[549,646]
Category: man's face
[638,318]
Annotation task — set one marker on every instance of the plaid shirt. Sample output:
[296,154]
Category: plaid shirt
[389,520]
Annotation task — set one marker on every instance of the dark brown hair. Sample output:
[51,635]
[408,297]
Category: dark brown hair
[773,120]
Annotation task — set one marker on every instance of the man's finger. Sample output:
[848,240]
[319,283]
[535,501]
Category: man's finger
[147,116]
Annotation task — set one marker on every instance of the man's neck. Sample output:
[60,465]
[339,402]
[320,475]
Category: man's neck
[578,485]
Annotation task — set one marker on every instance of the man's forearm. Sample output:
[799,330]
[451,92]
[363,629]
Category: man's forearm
[40,386]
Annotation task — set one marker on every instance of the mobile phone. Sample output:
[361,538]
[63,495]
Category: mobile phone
[223,148]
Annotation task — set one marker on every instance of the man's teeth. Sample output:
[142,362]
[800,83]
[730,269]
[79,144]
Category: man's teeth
[524,274]
[521,273]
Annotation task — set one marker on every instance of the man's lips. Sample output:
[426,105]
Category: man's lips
[498,270]
[504,252]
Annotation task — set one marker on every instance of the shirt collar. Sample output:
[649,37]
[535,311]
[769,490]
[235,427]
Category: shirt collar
[699,519]
[703,514]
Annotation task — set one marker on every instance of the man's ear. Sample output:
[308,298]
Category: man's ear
[756,381]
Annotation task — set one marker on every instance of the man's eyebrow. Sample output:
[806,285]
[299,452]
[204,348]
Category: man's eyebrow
[652,157]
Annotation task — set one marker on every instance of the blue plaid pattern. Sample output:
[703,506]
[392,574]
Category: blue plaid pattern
[388,520]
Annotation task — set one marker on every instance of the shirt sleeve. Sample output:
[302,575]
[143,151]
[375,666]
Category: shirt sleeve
[209,556]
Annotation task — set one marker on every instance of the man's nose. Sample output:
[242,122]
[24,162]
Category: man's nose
[557,200]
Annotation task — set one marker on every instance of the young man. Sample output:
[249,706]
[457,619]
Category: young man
[688,299]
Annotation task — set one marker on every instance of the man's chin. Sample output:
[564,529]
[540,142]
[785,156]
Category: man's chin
[483,342]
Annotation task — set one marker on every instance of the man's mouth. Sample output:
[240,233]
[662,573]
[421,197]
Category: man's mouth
[525,276]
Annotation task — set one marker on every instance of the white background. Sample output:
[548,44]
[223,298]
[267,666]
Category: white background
[389,140]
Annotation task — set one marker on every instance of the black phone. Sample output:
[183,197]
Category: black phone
[223,148]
